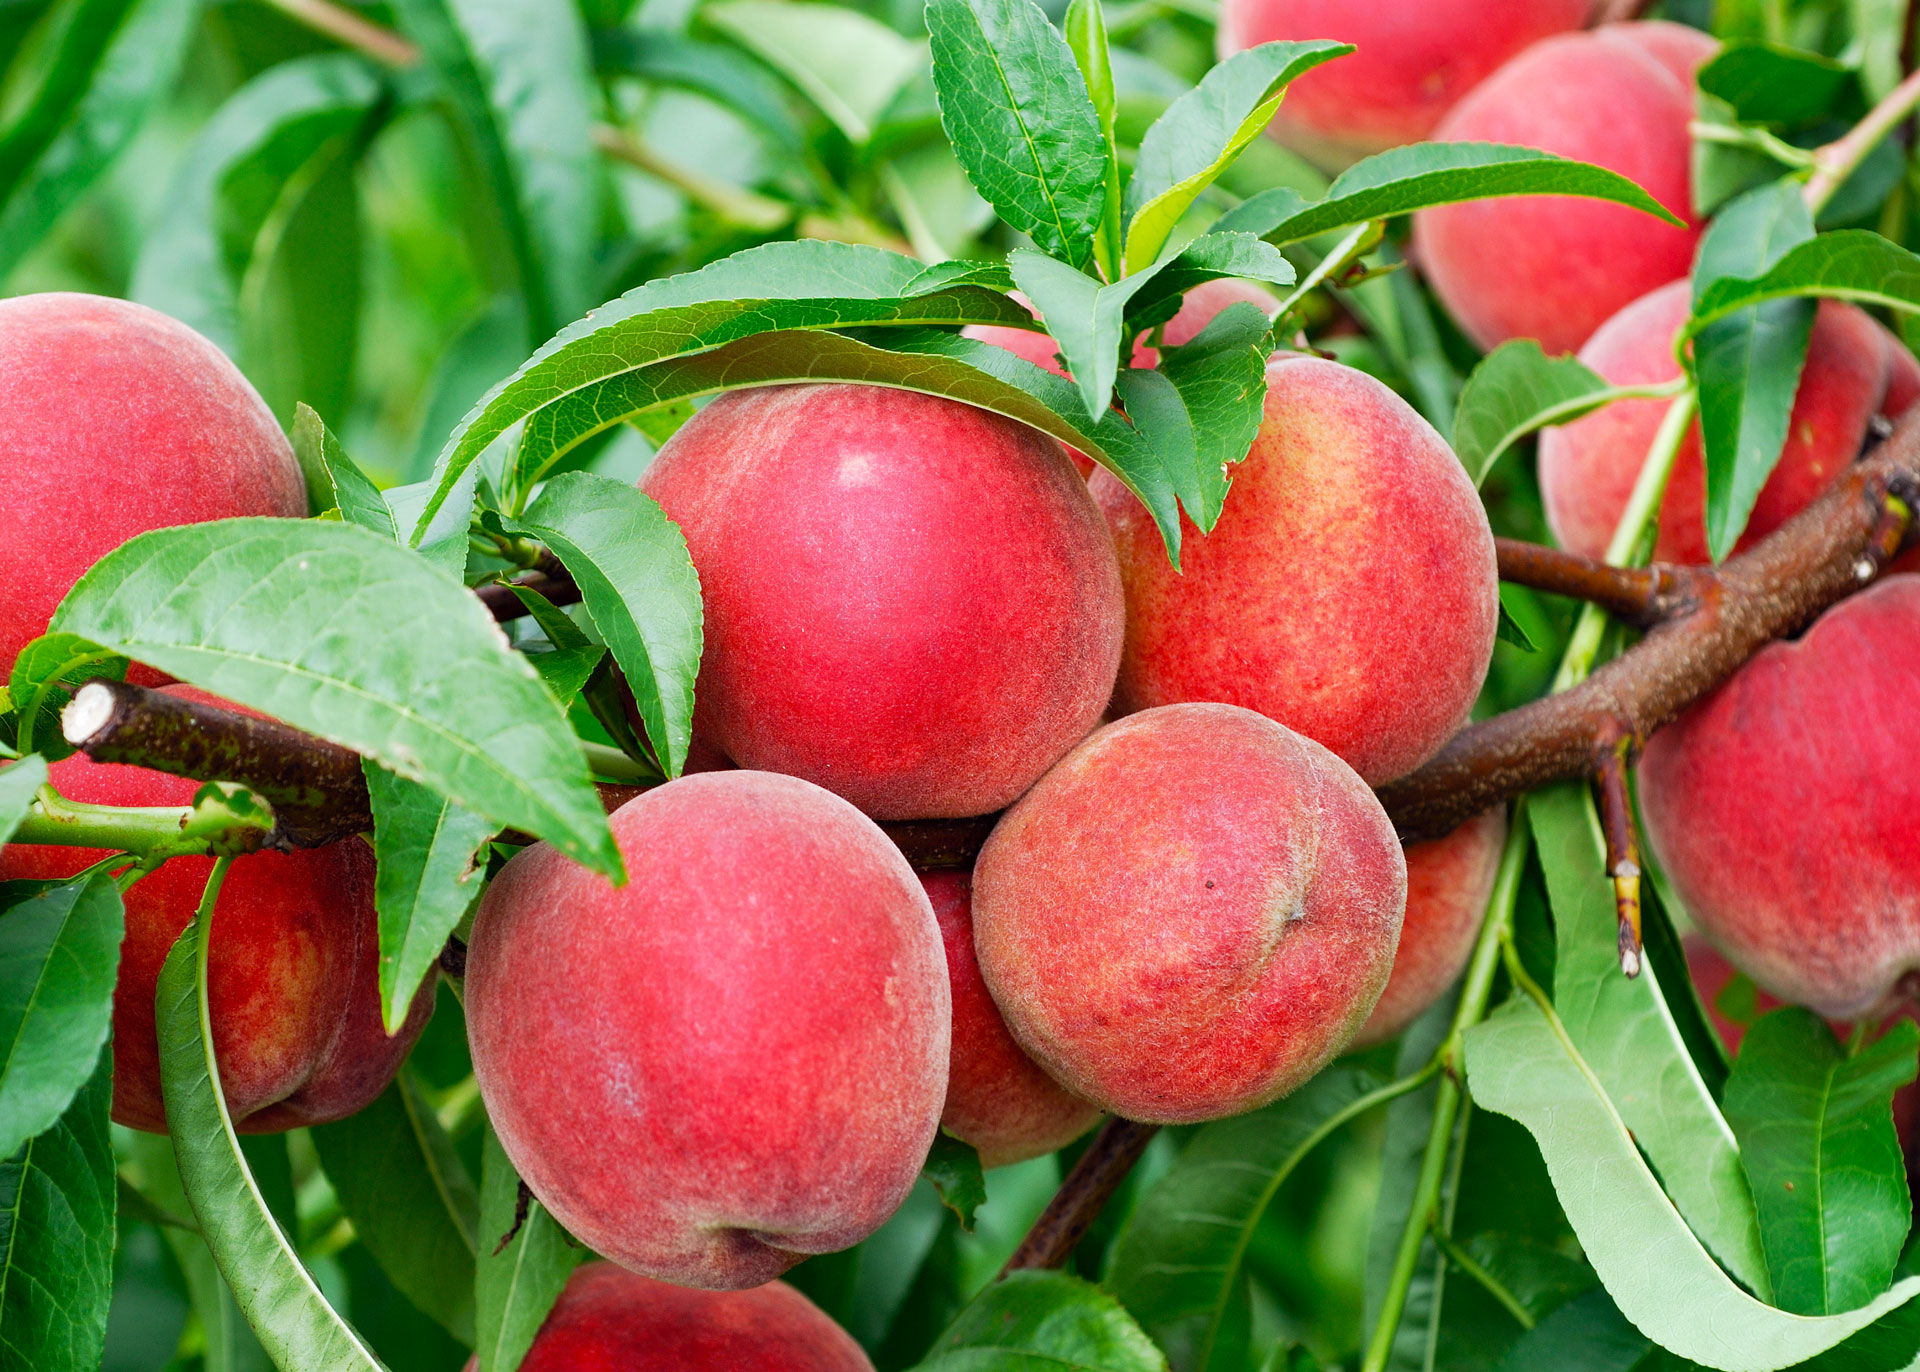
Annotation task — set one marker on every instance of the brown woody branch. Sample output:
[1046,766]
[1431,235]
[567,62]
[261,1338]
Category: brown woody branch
[1083,1195]
[1640,596]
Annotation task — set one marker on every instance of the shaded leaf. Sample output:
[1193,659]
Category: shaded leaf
[953,1166]
[1762,83]
[341,633]
[516,1285]
[1508,630]
[1818,1142]
[18,783]
[59,955]
[1516,389]
[44,677]
[1587,1334]
[723,75]
[333,481]
[849,65]
[1043,1322]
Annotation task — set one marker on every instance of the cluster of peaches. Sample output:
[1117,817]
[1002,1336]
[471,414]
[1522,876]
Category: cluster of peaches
[919,610]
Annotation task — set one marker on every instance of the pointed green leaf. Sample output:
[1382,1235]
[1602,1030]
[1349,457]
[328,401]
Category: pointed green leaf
[57,1235]
[1848,264]
[953,1166]
[1748,364]
[1021,121]
[18,783]
[1650,1262]
[1201,133]
[337,631]
[1764,83]
[1509,630]
[59,955]
[1516,389]
[1818,1142]
[1086,29]
[720,73]
[637,582]
[44,677]
[1402,180]
[1084,316]
[334,482]
[410,1199]
[850,65]
[1629,1038]
[430,856]
[274,1290]
[1043,1322]
[516,1284]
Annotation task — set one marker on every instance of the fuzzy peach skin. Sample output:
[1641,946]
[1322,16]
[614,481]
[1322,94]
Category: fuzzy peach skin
[1449,881]
[1783,808]
[293,969]
[1588,468]
[115,419]
[610,1320]
[1348,590]
[1197,309]
[998,1099]
[735,1060]
[1555,267]
[1414,59]
[909,601]
[1191,914]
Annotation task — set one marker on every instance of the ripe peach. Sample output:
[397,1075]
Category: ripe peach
[1449,881]
[1554,267]
[733,1061]
[114,420]
[998,1099]
[1190,914]
[1348,590]
[1782,808]
[610,1319]
[1414,60]
[1588,468]
[293,969]
[909,601]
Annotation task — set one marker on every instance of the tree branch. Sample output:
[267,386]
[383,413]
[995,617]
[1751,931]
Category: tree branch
[1640,596]
[1082,1196]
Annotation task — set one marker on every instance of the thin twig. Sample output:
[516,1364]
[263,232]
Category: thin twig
[746,208]
[1640,596]
[1082,1196]
[1838,160]
[354,31]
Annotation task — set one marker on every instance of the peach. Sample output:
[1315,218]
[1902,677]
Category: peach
[1588,468]
[733,1061]
[909,601]
[1191,914]
[1555,267]
[1414,59]
[1449,881]
[293,968]
[610,1319]
[115,419]
[1782,808]
[1348,590]
[998,1099]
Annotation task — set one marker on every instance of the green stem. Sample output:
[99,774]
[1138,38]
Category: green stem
[1460,1258]
[748,209]
[1838,160]
[222,821]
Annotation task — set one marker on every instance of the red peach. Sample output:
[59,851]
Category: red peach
[293,968]
[1348,590]
[1191,914]
[1782,808]
[1449,881]
[609,1320]
[114,420]
[1414,59]
[909,601]
[1555,267]
[998,1099]
[733,1061]
[1588,468]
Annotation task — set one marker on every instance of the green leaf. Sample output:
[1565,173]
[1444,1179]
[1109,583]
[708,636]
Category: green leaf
[341,633]
[637,582]
[1508,630]
[18,783]
[334,482]
[113,60]
[1516,389]
[1587,1334]
[1021,120]
[275,1292]
[1085,317]
[1817,1138]
[59,955]
[953,1166]
[1519,1065]
[411,1201]
[1628,1036]
[517,1284]
[849,65]
[519,80]
[1086,30]
[234,182]
[579,383]
[443,540]
[1848,264]
[1762,83]
[43,679]
[1189,146]
[1408,1123]
[1208,258]
[727,77]
[430,853]
[57,1198]
[1748,364]
[1043,1322]
[1402,180]
[1177,1264]
[566,671]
